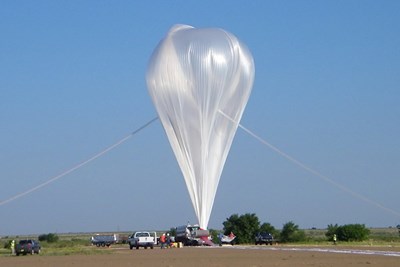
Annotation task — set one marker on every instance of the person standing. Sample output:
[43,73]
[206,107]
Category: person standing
[168,241]
[12,246]
[162,240]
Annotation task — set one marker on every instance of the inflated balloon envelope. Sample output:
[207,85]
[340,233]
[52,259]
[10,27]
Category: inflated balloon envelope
[200,81]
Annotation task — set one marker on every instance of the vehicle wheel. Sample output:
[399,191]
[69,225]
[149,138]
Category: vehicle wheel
[17,254]
[130,246]
[97,244]
[137,247]
[103,245]
[152,247]
[145,247]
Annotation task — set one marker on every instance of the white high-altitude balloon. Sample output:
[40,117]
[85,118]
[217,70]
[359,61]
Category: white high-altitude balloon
[200,81]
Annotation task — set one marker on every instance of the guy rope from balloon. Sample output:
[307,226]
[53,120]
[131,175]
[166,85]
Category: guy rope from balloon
[316,173]
[83,163]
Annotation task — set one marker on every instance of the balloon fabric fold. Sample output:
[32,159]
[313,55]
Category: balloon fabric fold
[196,79]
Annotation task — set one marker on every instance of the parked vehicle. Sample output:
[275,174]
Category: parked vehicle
[264,238]
[142,239]
[104,240]
[27,246]
[192,235]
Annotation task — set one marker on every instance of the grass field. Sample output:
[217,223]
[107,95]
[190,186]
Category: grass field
[79,243]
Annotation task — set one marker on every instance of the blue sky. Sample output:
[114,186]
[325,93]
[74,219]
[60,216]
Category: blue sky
[72,82]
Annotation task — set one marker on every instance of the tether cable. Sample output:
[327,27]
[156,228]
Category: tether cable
[83,163]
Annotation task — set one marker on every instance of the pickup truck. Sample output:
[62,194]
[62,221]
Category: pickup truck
[27,246]
[264,238]
[141,239]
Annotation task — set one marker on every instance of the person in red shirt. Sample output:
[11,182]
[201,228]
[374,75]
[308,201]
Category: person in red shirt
[162,240]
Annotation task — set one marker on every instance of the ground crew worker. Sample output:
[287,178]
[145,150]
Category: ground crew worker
[12,246]
[168,241]
[162,240]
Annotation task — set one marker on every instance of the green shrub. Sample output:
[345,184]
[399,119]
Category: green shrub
[7,244]
[352,232]
[244,227]
[50,238]
[332,230]
[291,233]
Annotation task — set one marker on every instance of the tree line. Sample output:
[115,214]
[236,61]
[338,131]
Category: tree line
[246,227]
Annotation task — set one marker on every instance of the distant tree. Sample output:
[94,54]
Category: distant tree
[42,237]
[332,230]
[7,244]
[352,232]
[244,227]
[231,224]
[51,238]
[291,233]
